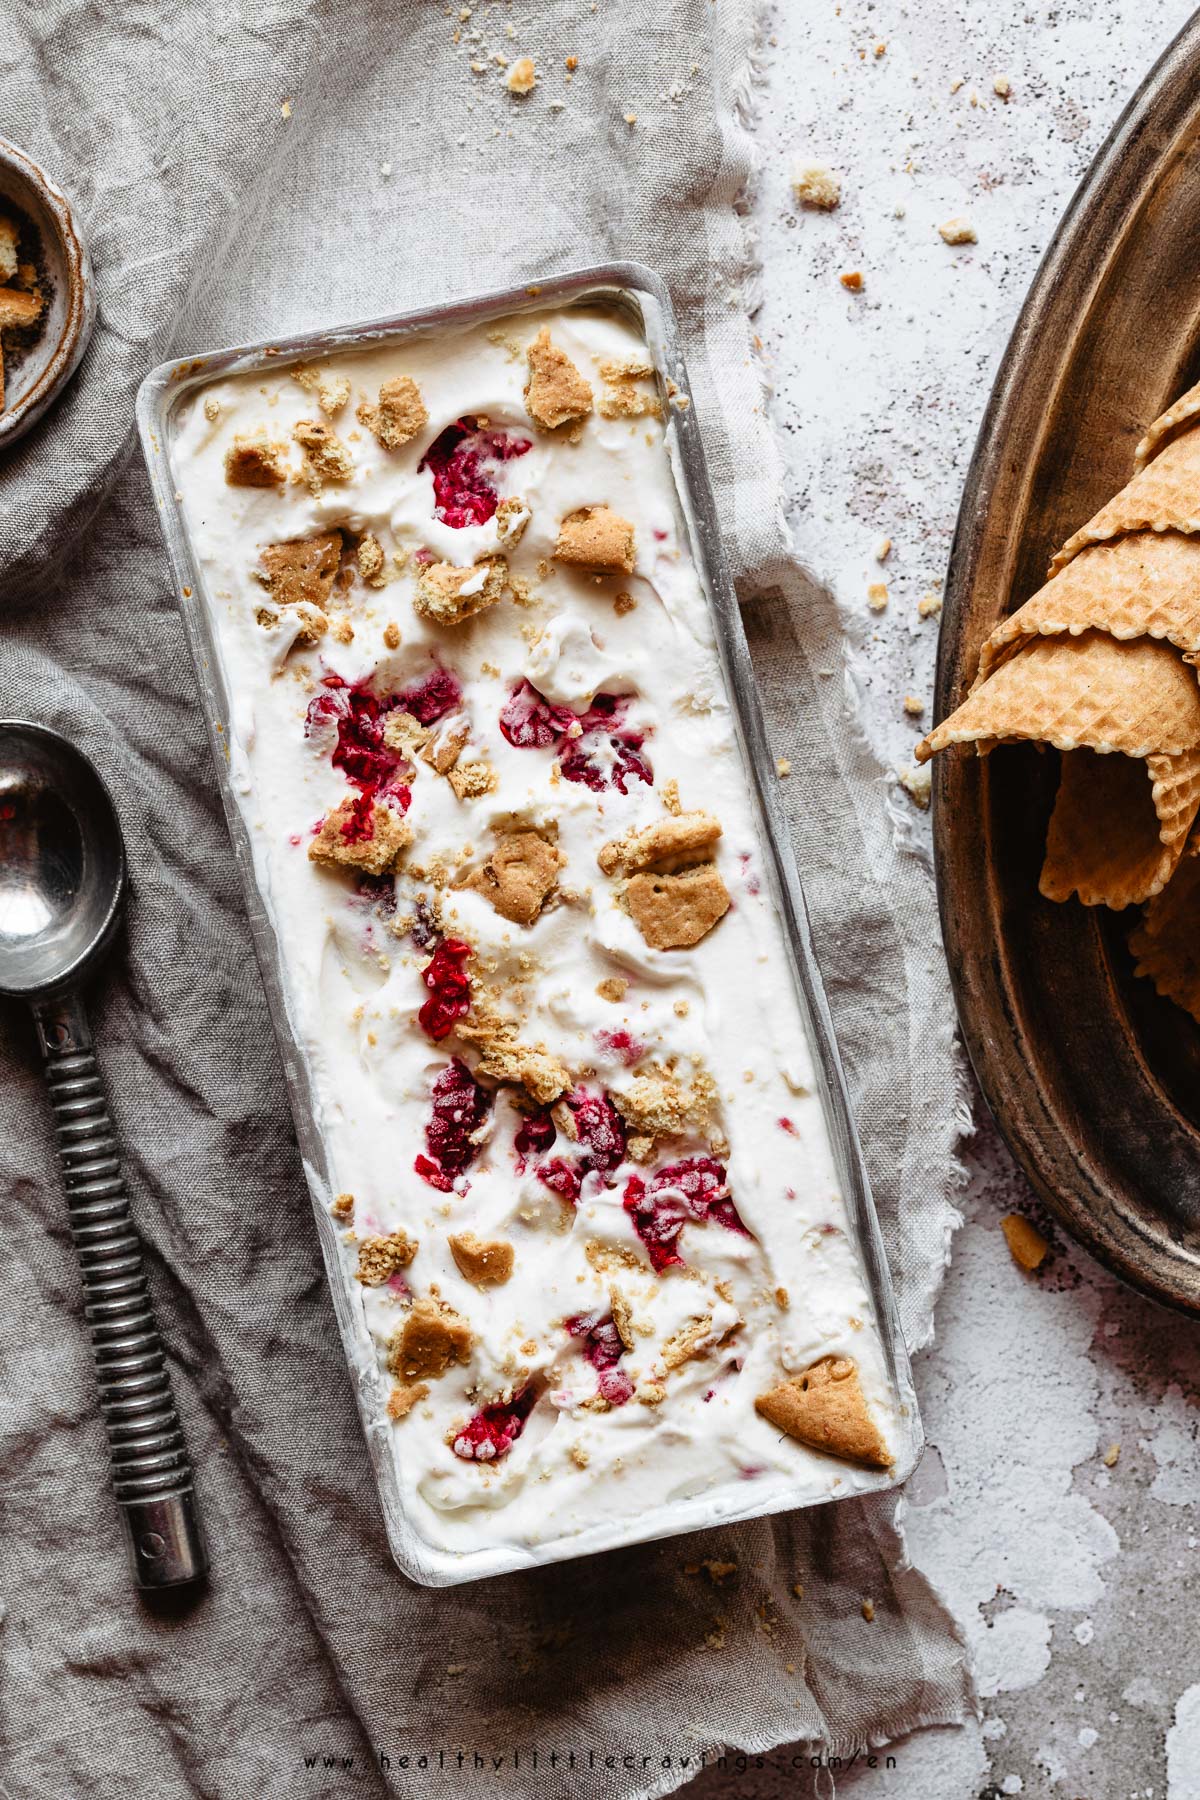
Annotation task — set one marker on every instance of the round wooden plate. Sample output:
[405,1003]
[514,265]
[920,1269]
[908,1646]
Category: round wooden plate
[1094,1081]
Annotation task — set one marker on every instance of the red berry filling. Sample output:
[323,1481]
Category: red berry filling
[358,827]
[464,492]
[602,756]
[601,1134]
[623,1045]
[431,698]
[605,757]
[603,1348]
[535,1134]
[459,1107]
[601,1129]
[657,1222]
[494,1430]
[530,722]
[562,1178]
[449,988]
[359,715]
[696,1189]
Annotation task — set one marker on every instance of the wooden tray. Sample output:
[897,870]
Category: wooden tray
[1094,1081]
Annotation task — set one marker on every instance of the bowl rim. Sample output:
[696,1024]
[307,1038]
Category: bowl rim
[77,325]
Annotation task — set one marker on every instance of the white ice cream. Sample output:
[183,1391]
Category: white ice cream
[773,1301]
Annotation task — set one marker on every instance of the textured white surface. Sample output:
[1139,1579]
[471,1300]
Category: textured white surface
[1072,1577]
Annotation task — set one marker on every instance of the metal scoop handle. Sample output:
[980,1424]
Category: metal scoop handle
[151,1470]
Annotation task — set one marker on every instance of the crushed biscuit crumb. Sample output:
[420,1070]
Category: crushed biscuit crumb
[326,458]
[917,784]
[403,1398]
[361,833]
[379,1258]
[556,393]
[399,414]
[369,557]
[674,912]
[1025,1242]
[522,77]
[597,539]
[518,875]
[256,462]
[432,1338]
[813,184]
[446,595]
[484,1262]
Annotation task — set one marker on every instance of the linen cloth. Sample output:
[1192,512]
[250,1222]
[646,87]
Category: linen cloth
[240,171]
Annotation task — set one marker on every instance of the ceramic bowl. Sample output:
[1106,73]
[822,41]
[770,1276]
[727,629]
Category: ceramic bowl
[36,376]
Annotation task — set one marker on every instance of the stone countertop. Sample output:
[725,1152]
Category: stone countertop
[1072,1577]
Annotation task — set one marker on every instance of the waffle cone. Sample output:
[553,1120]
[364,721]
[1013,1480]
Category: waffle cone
[1144,585]
[1177,418]
[1166,940]
[1119,826]
[1164,496]
[1086,692]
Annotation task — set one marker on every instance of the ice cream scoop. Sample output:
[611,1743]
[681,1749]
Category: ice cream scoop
[62,880]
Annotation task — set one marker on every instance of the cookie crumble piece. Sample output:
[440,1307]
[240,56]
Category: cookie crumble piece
[326,458]
[379,1258]
[432,1338]
[301,570]
[958,231]
[522,77]
[679,838]
[512,516]
[361,833]
[826,1409]
[556,393]
[813,184]
[597,539]
[399,414]
[518,875]
[447,595]
[331,391]
[369,557]
[674,912]
[256,462]
[504,1057]
[1026,1245]
[404,1397]
[484,1262]
[470,781]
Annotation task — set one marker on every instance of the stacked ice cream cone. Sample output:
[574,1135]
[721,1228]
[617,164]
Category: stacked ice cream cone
[1102,664]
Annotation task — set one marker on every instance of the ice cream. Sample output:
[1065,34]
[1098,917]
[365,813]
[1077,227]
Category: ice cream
[580,1170]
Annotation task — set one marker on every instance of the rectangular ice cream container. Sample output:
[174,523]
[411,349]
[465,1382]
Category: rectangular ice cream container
[637,295]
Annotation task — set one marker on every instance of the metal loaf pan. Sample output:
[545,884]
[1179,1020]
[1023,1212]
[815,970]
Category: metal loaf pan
[639,292]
